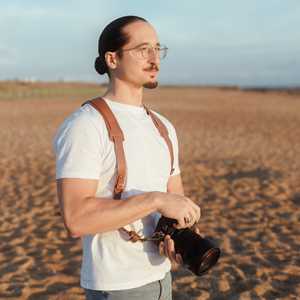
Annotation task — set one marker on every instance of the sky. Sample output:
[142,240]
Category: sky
[211,42]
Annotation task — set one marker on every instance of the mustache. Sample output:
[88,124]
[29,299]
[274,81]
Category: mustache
[152,68]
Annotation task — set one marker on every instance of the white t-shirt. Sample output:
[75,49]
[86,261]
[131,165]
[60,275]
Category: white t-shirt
[83,150]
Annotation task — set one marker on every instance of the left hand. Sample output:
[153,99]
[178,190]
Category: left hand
[167,248]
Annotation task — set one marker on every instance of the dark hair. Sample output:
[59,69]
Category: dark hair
[112,39]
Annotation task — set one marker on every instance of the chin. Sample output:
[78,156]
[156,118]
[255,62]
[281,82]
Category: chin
[150,84]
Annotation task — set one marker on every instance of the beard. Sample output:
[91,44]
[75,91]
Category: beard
[150,85]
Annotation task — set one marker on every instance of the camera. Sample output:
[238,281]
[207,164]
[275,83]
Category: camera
[198,254]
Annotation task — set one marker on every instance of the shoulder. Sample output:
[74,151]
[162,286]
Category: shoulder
[84,117]
[85,121]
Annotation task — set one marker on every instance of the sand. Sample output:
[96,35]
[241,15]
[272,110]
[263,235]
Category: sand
[239,156]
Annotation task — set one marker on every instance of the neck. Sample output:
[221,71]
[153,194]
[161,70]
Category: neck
[124,92]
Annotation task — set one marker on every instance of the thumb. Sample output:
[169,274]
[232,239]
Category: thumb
[196,230]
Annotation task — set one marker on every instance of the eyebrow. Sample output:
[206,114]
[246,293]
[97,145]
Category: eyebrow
[142,44]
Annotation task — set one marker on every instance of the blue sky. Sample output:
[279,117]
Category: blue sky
[230,42]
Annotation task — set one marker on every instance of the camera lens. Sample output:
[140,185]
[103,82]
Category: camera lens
[208,260]
[199,254]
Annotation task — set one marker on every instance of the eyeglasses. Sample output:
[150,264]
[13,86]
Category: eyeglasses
[145,51]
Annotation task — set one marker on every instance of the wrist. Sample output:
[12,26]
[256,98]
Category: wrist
[156,200]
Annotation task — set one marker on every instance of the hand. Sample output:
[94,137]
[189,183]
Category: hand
[178,207]
[166,248]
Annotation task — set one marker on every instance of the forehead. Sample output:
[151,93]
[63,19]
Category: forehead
[140,32]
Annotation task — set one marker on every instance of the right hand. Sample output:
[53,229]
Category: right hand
[178,207]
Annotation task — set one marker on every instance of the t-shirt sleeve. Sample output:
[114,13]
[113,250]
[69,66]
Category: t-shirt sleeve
[78,149]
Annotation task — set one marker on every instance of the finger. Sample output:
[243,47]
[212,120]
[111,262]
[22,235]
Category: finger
[180,224]
[169,247]
[196,229]
[176,264]
[179,259]
[197,213]
[166,245]
[161,248]
[192,216]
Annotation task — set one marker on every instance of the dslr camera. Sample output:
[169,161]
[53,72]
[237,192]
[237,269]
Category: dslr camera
[198,254]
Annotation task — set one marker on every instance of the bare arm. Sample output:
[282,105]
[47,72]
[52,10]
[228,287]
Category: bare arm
[85,214]
[175,185]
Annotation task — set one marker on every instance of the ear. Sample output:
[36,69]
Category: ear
[111,60]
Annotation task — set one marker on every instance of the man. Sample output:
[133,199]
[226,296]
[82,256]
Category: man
[113,267]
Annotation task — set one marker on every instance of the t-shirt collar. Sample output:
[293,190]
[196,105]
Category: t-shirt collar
[125,107]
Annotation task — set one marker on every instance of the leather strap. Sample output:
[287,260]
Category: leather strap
[117,137]
[164,133]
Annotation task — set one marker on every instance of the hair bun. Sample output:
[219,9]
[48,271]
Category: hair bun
[100,66]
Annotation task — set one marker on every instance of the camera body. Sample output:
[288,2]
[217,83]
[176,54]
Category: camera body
[198,254]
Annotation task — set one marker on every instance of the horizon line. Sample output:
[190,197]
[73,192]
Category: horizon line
[202,85]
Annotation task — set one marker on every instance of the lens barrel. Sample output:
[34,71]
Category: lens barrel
[199,254]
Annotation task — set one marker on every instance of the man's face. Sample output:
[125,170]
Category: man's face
[133,68]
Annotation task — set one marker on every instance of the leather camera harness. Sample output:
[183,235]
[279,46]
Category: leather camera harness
[117,137]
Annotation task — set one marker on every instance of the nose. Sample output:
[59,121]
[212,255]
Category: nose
[154,57]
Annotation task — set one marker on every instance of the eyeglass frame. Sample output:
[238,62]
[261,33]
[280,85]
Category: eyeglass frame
[144,44]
